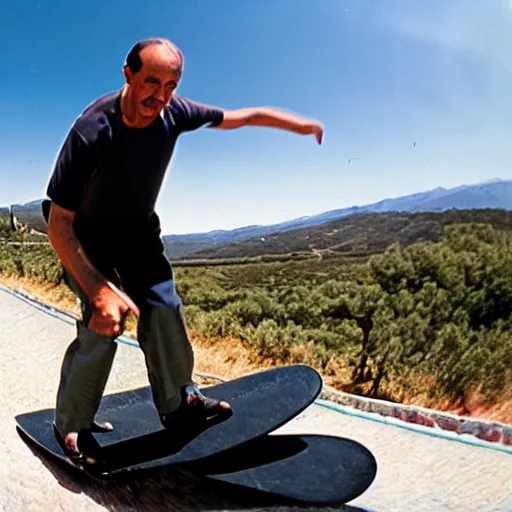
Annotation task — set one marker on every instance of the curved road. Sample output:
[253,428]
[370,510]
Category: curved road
[416,472]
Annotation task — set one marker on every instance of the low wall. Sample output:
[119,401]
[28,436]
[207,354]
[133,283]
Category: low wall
[493,432]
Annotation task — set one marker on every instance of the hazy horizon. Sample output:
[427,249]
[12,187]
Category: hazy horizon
[280,221]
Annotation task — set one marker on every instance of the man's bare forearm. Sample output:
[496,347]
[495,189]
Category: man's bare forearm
[71,253]
[270,117]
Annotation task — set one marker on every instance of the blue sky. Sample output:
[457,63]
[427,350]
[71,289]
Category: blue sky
[419,93]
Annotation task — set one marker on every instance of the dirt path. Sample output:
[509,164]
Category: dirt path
[416,472]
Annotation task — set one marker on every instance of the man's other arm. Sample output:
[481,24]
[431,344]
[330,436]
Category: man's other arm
[65,190]
[70,252]
[270,117]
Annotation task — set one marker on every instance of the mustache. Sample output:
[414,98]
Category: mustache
[152,102]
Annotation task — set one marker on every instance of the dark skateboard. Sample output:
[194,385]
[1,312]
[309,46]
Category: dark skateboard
[312,469]
[261,403]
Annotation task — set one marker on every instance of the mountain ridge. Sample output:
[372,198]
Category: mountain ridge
[492,194]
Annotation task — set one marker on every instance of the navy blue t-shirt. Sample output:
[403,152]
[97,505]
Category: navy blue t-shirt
[111,174]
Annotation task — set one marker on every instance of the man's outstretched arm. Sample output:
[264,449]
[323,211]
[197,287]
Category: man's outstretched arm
[273,118]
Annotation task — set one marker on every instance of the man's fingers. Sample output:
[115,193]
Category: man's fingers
[105,324]
[129,302]
[103,330]
[110,312]
[107,331]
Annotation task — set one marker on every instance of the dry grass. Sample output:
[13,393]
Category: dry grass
[230,358]
[59,296]
[226,357]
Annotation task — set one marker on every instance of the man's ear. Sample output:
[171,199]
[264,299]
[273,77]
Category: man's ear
[127,74]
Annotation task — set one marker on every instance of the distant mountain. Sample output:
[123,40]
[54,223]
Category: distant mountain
[494,194]
[356,235]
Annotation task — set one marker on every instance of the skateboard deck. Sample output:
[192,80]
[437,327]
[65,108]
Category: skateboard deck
[308,469]
[261,403]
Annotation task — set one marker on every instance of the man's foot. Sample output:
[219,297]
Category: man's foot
[69,442]
[72,451]
[105,426]
[195,407]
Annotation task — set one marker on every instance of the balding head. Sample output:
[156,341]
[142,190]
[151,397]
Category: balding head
[163,47]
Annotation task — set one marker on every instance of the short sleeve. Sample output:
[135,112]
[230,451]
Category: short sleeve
[71,172]
[191,115]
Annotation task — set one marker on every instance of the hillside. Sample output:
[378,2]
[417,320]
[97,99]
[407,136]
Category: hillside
[358,235]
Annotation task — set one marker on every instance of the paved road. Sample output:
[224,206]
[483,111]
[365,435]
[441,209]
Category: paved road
[416,472]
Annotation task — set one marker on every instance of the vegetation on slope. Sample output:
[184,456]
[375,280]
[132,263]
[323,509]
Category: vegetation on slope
[430,319]
[437,310]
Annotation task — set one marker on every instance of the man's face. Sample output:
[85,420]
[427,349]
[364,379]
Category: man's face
[152,87]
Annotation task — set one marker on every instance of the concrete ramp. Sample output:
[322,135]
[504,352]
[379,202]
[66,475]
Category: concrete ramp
[417,472]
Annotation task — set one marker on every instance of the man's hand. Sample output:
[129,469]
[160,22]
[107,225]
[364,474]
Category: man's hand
[315,129]
[110,308]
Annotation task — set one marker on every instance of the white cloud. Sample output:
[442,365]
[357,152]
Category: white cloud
[483,28]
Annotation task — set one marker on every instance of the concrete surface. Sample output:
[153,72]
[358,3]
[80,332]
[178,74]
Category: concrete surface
[416,472]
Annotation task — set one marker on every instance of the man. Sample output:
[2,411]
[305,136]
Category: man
[103,226]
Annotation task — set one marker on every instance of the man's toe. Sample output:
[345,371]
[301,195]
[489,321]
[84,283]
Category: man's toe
[71,444]
[104,426]
[224,405]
